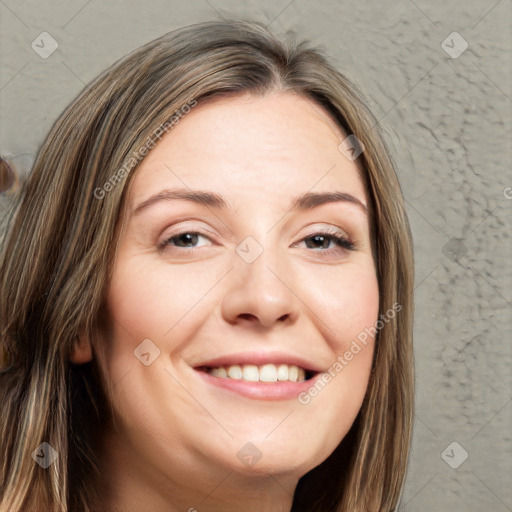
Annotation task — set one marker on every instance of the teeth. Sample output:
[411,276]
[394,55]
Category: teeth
[268,373]
[263,373]
[234,372]
[282,372]
[250,373]
[219,372]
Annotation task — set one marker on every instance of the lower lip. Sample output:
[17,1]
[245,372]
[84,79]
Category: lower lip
[260,390]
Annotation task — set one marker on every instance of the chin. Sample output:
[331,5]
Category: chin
[260,456]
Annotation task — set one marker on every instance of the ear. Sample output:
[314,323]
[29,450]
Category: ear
[81,351]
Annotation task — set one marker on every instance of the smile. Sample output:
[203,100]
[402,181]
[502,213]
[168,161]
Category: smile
[262,373]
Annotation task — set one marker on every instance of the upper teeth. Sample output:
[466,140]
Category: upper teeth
[263,373]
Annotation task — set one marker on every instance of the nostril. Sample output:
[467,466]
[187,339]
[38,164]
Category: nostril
[247,316]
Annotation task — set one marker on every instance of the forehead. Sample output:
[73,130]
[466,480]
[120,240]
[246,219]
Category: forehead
[246,146]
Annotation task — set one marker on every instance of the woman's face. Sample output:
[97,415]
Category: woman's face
[238,281]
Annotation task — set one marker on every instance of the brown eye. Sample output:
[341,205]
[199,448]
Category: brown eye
[322,241]
[186,240]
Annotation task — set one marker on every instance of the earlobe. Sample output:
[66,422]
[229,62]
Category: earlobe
[81,351]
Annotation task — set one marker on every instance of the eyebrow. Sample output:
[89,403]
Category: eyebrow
[306,201]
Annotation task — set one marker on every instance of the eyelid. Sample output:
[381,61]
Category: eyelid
[342,241]
[330,229]
[181,226]
[164,242]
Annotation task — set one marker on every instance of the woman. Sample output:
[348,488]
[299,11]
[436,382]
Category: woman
[207,291]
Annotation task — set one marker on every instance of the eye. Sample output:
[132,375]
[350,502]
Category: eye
[319,241]
[186,240]
[322,239]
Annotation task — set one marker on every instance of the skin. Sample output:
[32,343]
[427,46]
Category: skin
[177,437]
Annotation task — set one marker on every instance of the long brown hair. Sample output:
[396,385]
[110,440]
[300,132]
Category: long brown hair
[58,251]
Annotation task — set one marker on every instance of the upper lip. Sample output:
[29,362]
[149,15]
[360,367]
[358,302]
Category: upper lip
[258,359]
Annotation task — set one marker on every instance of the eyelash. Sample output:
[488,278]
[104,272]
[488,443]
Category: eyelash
[342,242]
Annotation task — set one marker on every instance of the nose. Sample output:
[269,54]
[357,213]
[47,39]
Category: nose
[261,294]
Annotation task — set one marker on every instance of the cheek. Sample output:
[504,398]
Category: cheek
[137,314]
[149,298]
[348,304]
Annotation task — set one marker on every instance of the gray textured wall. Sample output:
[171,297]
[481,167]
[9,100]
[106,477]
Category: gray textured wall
[446,111]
